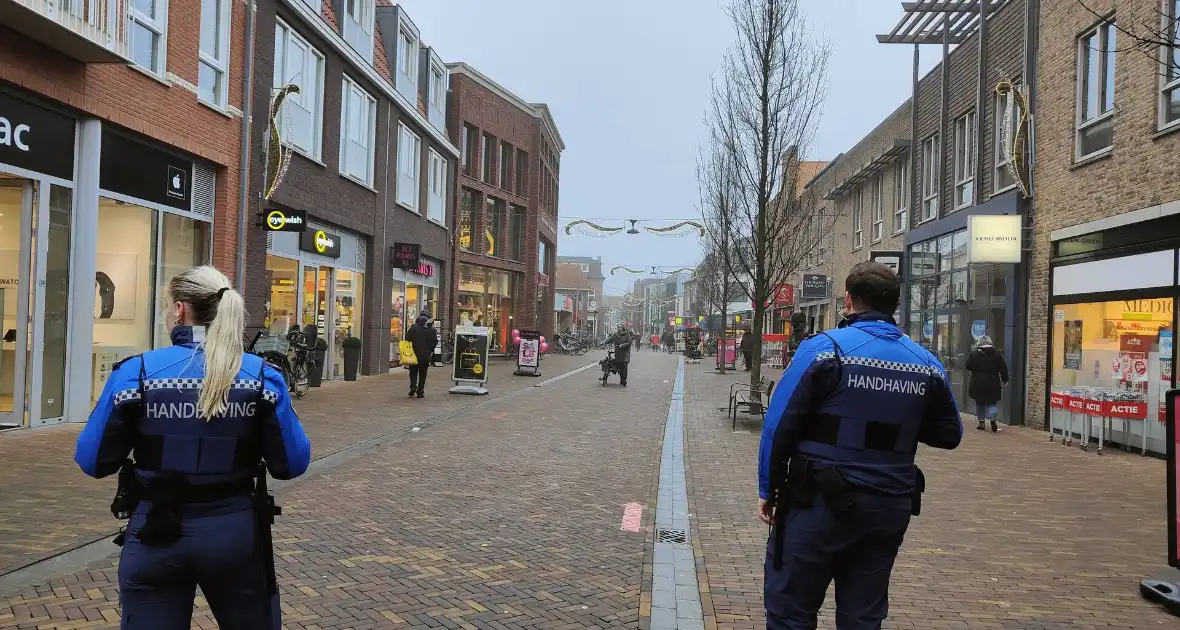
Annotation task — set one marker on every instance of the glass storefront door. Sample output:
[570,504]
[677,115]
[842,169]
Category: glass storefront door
[16,212]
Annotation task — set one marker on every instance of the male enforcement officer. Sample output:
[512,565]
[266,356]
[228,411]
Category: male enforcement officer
[836,473]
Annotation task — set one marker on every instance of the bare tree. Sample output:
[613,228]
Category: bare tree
[764,109]
[1154,32]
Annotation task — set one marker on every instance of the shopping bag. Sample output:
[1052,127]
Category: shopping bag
[407,351]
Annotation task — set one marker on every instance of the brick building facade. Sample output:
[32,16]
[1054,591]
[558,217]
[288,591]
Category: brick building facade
[920,175]
[1103,279]
[506,206]
[119,166]
[371,166]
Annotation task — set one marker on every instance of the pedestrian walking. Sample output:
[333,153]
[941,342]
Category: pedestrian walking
[423,338]
[201,416]
[837,480]
[621,340]
[989,374]
[430,324]
[747,347]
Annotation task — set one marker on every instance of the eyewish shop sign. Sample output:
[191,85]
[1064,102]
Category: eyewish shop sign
[994,238]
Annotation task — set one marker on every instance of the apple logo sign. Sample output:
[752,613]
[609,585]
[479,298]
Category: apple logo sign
[176,182]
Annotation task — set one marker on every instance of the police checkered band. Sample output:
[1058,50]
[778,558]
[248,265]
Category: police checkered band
[126,396]
[195,383]
[881,364]
[269,396]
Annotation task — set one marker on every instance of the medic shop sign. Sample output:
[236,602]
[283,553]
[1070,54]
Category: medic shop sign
[35,138]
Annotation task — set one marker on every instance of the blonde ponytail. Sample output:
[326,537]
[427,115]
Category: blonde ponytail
[223,312]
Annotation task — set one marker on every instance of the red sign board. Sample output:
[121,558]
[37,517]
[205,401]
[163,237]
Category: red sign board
[1135,343]
[784,295]
[1127,409]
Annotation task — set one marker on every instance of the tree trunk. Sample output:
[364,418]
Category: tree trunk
[756,347]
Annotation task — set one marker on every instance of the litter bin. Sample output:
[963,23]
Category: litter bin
[315,371]
[352,357]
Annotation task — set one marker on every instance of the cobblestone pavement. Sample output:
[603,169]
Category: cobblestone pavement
[503,516]
[50,507]
[1016,533]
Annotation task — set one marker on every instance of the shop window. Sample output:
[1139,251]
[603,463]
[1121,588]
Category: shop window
[358,124]
[297,63]
[1096,65]
[184,243]
[57,303]
[397,318]
[467,223]
[284,289]
[1118,357]
[494,217]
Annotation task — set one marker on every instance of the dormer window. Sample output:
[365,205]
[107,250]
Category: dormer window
[408,56]
[358,26]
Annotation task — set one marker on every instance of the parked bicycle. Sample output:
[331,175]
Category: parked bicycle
[447,342]
[289,354]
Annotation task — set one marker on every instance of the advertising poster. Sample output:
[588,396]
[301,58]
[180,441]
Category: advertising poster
[1165,382]
[727,349]
[1073,344]
[530,350]
[774,350]
[471,354]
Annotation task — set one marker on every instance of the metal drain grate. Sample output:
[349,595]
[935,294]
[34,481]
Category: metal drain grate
[678,536]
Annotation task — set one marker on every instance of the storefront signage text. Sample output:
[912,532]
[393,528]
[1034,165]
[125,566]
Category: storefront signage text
[35,138]
[406,255]
[320,242]
[784,295]
[1130,410]
[277,220]
[1161,307]
[424,269]
[994,238]
[815,287]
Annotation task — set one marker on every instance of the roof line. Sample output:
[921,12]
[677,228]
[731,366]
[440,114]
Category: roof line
[537,110]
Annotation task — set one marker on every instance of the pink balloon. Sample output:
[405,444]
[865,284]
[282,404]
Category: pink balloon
[515,332]
[516,340]
[544,347]
[542,338]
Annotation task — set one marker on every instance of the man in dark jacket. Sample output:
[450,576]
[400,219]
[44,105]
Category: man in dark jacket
[747,347]
[989,374]
[621,341]
[424,340]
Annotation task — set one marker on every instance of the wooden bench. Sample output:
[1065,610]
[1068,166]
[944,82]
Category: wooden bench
[750,399]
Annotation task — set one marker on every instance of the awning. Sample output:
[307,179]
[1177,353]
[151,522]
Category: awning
[900,148]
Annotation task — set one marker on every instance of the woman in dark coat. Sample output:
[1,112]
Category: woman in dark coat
[989,373]
[621,341]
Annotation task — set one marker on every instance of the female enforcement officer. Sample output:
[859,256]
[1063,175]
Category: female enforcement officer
[200,416]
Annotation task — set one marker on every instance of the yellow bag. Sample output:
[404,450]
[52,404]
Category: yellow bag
[407,351]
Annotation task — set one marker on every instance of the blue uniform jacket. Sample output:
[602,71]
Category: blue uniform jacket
[149,405]
[863,414]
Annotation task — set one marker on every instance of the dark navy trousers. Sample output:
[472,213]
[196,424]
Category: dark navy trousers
[216,552]
[856,551]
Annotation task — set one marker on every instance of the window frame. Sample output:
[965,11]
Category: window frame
[350,89]
[964,162]
[931,177]
[299,100]
[436,177]
[1104,31]
[1005,107]
[522,173]
[858,218]
[1170,58]
[405,138]
[505,170]
[219,64]
[407,44]
[901,195]
[366,24]
[157,25]
[437,85]
[485,165]
[876,210]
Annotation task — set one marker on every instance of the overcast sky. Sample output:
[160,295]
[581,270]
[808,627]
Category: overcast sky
[627,82]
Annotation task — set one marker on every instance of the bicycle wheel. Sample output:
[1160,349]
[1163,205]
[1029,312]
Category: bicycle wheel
[448,354]
[300,383]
